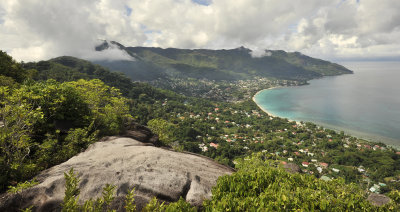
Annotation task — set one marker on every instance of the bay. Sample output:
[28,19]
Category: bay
[365,104]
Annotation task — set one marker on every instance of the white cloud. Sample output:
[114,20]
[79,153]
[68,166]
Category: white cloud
[42,29]
[260,53]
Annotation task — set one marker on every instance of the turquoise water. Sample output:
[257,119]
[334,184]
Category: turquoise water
[365,104]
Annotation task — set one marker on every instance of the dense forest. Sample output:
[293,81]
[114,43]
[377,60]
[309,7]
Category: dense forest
[52,110]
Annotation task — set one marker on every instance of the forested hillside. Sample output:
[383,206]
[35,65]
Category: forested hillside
[231,64]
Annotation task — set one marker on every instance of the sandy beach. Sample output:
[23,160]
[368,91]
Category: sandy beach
[264,109]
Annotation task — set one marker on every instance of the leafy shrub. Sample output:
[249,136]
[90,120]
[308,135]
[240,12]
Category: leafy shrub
[108,108]
[49,122]
[71,198]
[163,128]
[21,186]
[258,185]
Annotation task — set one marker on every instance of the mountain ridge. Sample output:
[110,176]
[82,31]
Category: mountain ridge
[151,63]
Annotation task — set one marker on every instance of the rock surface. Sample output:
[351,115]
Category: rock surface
[292,168]
[139,132]
[125,163]
[378,199]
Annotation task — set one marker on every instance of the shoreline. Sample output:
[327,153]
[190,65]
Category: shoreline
[359,135]
[265,110]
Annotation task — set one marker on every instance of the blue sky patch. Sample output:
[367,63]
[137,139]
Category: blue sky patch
[147,30]
[128,10]
[2,14]
[202,2]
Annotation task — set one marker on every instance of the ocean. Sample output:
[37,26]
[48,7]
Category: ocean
[365,104]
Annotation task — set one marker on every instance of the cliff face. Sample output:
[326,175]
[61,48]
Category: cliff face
[125,163]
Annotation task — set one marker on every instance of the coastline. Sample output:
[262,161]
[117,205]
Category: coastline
[265,110]
[360,135]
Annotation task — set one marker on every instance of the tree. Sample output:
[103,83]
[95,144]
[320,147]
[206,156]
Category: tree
[49,122]
[18,115]
[163,129]
[14,70]
[108,108]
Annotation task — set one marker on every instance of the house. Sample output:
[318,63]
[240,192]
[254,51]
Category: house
[203,147]
[375,189]
[297,153]
[290,159]
[214,145]
[314,160]
[319,169]
[305,164]
[324,165]
[335,170]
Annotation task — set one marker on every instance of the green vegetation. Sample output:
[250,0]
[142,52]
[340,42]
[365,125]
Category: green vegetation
[233,64]
[258,185]
[21,186]
[45,123]
[12,72]
[66,104]
[238,129]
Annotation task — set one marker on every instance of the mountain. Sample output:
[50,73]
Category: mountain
[149,63]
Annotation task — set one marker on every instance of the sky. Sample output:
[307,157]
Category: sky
[32,30]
